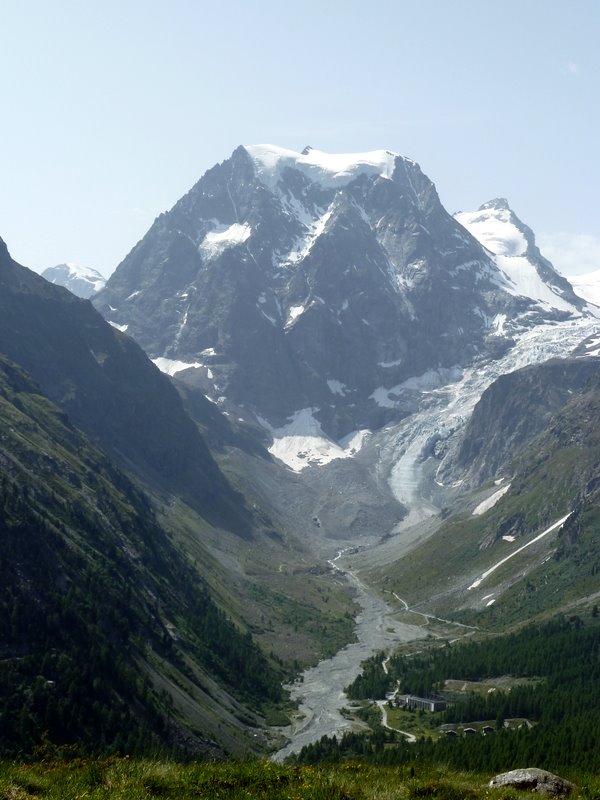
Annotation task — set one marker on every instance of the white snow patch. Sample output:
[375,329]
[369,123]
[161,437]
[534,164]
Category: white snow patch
[170,366]
[301,443]
[293,313]
[491,501]
[209,351]
[494,228]
[223,237]
[502,561]
[527,283]
[383,397]
[592,348]
[116,325]
[337,387]
[182,325]
[354,441]
[132,295]
[498,324]
[75,272]
[387,364]
[330,170]
[509,538]
[427,382]
[304,244]
[587,286]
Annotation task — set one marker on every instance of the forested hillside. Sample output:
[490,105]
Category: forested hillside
[95,599]
[561,703]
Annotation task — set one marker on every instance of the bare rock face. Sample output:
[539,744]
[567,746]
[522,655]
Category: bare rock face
[538,780]
[289,281]
[511,412]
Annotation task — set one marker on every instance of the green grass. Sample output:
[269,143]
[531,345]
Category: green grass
[455,689]
[419,724]
[125,779]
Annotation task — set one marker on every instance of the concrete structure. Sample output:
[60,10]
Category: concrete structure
[412,702]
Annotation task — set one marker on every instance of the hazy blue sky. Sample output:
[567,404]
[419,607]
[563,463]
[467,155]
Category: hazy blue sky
[112,110]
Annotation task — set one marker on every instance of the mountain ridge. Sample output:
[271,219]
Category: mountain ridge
[100,609]
[95,375]
[288,282]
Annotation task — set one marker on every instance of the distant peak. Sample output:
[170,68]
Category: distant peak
[499,203]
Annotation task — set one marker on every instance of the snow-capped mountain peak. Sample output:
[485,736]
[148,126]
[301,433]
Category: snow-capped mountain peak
[496,227]
[329,170]
[515,252]
[82,281]
[327,282]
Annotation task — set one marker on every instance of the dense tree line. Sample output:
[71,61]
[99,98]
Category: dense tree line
[563,704]
[373,682]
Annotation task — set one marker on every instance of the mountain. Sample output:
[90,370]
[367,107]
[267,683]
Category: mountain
[512,411]
[101,615]
[588,286]
[140,589]
[308,288]
[518,539]
[108,388]
[515,252]
[82,281]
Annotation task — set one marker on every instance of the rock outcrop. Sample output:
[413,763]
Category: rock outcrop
[538,780]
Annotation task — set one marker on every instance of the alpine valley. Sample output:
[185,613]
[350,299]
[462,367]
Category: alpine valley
[367,423]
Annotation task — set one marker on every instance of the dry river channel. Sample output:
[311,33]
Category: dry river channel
[320,689]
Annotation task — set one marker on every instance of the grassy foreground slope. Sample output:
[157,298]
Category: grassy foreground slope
[137,780]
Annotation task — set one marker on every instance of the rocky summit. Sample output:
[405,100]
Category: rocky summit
[310,287]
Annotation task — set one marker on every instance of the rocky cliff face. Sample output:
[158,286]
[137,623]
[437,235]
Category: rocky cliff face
[106,385]
[512,411]
[286,281]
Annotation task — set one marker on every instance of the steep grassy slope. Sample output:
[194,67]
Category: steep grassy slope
[108,638]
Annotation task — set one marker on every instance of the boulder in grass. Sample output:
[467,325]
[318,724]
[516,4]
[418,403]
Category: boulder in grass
[538,780]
